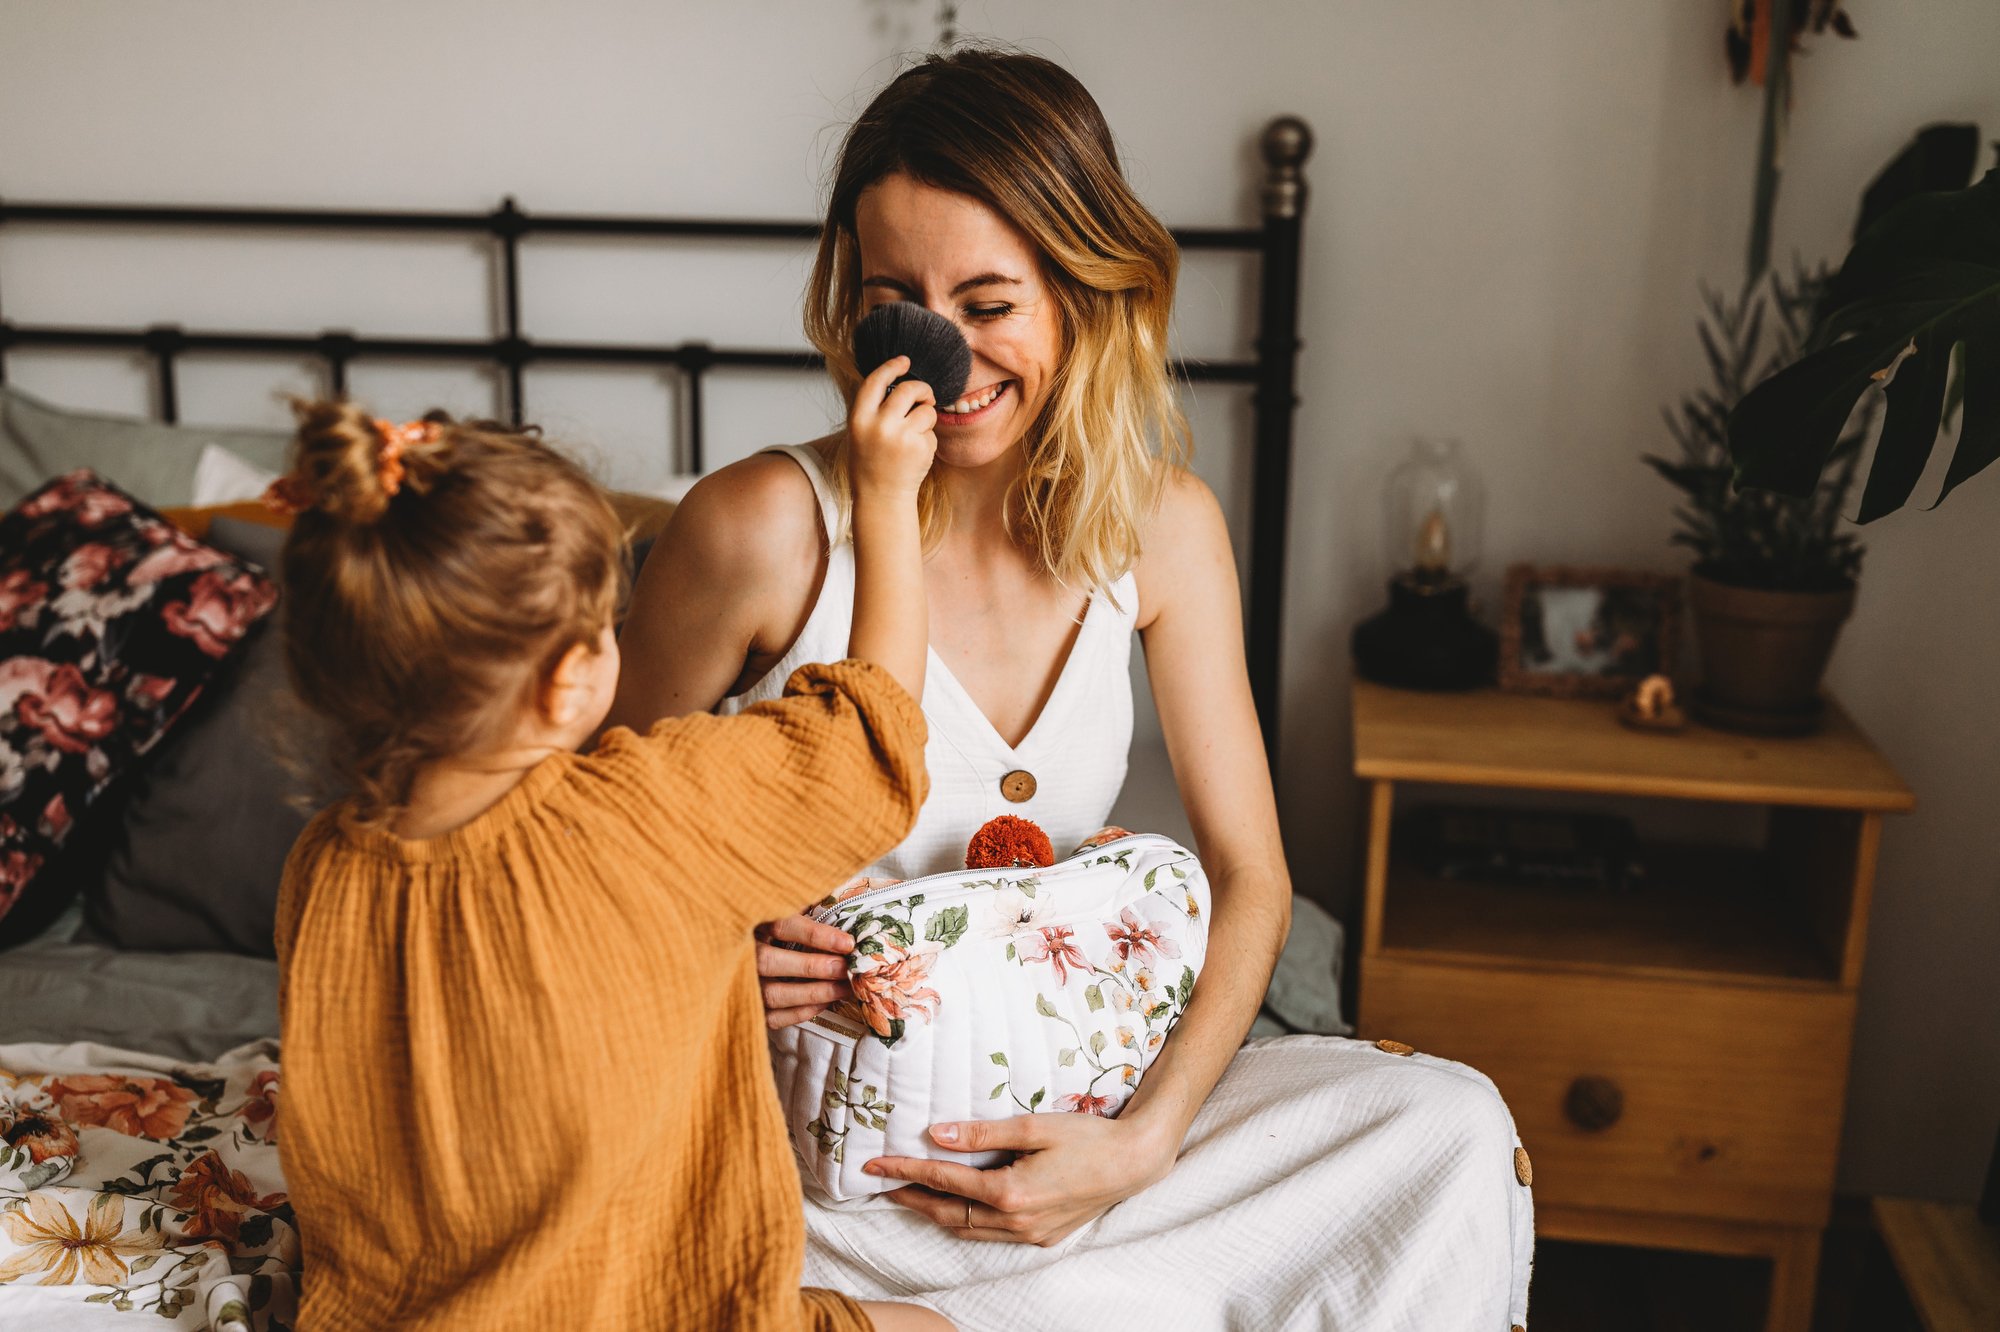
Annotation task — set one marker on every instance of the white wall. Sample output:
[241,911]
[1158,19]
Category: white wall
[1511,208]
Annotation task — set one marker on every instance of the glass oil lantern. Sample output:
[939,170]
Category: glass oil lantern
[1427,637]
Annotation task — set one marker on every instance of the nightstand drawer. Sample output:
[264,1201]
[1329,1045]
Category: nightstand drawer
[1699,1100]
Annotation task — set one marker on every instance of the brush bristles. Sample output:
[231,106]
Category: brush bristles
[938,352]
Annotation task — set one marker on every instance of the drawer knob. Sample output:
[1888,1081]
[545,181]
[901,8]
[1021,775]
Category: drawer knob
[1594,1104]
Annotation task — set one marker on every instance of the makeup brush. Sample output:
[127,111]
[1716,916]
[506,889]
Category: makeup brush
[938,353]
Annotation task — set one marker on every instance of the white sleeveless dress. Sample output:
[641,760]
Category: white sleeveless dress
[1067,770]
[1324,1184]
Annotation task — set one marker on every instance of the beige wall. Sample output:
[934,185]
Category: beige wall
[1512,206]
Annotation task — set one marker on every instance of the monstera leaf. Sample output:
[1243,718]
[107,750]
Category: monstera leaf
[1920,288]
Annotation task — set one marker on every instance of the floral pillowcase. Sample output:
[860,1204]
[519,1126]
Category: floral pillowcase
[112,621]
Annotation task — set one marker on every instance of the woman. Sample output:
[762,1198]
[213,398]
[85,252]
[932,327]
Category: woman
[1059,519]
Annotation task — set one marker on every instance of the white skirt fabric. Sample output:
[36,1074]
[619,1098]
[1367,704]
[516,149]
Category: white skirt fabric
[1326,1184]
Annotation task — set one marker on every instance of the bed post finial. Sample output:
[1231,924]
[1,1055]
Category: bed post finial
[1287,143]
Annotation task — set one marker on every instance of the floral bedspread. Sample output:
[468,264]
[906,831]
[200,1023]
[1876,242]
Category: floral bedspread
[133,1185]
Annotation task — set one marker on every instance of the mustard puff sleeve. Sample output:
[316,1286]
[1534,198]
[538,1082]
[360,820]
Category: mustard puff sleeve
[770,810]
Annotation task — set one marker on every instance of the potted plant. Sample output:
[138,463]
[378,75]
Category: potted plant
[1912,318]
[1774,575]
[1803,368]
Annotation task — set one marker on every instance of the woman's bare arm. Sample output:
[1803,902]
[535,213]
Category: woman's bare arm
[1201,688]
[729,583]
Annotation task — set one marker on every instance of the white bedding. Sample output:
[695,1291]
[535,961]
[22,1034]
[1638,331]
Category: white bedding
[142,1192]
[1327,1184]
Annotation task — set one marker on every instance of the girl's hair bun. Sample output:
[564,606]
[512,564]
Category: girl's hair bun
[412,636]
[349,465]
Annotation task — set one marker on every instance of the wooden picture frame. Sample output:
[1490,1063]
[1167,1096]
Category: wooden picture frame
[1601,645]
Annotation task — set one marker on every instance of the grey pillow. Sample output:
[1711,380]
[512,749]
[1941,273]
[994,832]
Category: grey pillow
[195,861]
[152,461]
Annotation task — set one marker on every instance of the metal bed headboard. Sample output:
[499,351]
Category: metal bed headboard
[1286,143]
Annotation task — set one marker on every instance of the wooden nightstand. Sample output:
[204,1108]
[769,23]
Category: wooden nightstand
[1675,1056]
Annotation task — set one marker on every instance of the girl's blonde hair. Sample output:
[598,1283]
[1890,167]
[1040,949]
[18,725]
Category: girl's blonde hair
[1022,136]
[431,575]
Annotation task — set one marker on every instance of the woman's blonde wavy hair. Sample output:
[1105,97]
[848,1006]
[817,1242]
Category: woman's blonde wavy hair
[1022,136]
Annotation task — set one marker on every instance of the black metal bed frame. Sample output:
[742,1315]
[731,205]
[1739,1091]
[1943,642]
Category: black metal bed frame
[1286,143]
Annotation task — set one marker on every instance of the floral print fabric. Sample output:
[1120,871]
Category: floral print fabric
[112,620]
[142,1186]
[990,993]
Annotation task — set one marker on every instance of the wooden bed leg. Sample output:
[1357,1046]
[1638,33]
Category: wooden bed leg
[1794,1278]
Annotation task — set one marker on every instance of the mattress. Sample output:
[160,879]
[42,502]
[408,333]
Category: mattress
[189,1006]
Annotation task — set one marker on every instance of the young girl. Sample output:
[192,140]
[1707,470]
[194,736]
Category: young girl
[525,1076]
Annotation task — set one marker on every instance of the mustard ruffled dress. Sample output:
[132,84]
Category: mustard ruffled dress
[525,1076]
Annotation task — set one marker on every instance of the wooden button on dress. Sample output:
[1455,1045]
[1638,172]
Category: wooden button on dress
[1395,1048]
[1018,786]
[1524,1169]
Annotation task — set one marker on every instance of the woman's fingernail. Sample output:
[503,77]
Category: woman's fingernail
[872,1168]
[945,1132]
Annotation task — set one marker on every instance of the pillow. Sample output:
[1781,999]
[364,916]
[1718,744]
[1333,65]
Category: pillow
[221,477]
[153,462]
[983,994]
[196,522]
[112,622]
[198,850]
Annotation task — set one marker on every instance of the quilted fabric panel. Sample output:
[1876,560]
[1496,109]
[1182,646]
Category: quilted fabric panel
[984,994]
[112,622]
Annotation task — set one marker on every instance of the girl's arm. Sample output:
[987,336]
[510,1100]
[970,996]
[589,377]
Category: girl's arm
[891,440]
[733,578]
[1075,1167]
[813,762]
[725,593]
[727,588]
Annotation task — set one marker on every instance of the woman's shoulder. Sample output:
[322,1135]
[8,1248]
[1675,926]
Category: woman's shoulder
[1185,534]
[767,493]
[752,520]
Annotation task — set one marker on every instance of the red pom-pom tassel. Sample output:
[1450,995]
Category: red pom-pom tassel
[1008,842]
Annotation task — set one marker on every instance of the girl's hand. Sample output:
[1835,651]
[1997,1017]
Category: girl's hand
[802,966]
[892,437]
[892,432]
[1069,1170]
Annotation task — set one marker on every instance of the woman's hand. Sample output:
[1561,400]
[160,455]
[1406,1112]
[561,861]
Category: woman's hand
[1068,1170]
[802,964]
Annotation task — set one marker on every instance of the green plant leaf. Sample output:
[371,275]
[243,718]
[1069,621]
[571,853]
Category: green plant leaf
[1000,1057]
[1926,275]
[1036,1099]
[1067,1057]
[1044,1007]
[1094,996]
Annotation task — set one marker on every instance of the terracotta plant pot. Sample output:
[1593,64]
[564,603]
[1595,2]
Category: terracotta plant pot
[1763,653]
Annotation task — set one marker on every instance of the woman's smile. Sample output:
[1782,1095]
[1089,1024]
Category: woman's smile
[974,407]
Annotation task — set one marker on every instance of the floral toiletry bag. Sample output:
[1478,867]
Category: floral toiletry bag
[989,993]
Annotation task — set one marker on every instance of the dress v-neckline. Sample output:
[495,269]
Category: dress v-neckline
[944,675]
